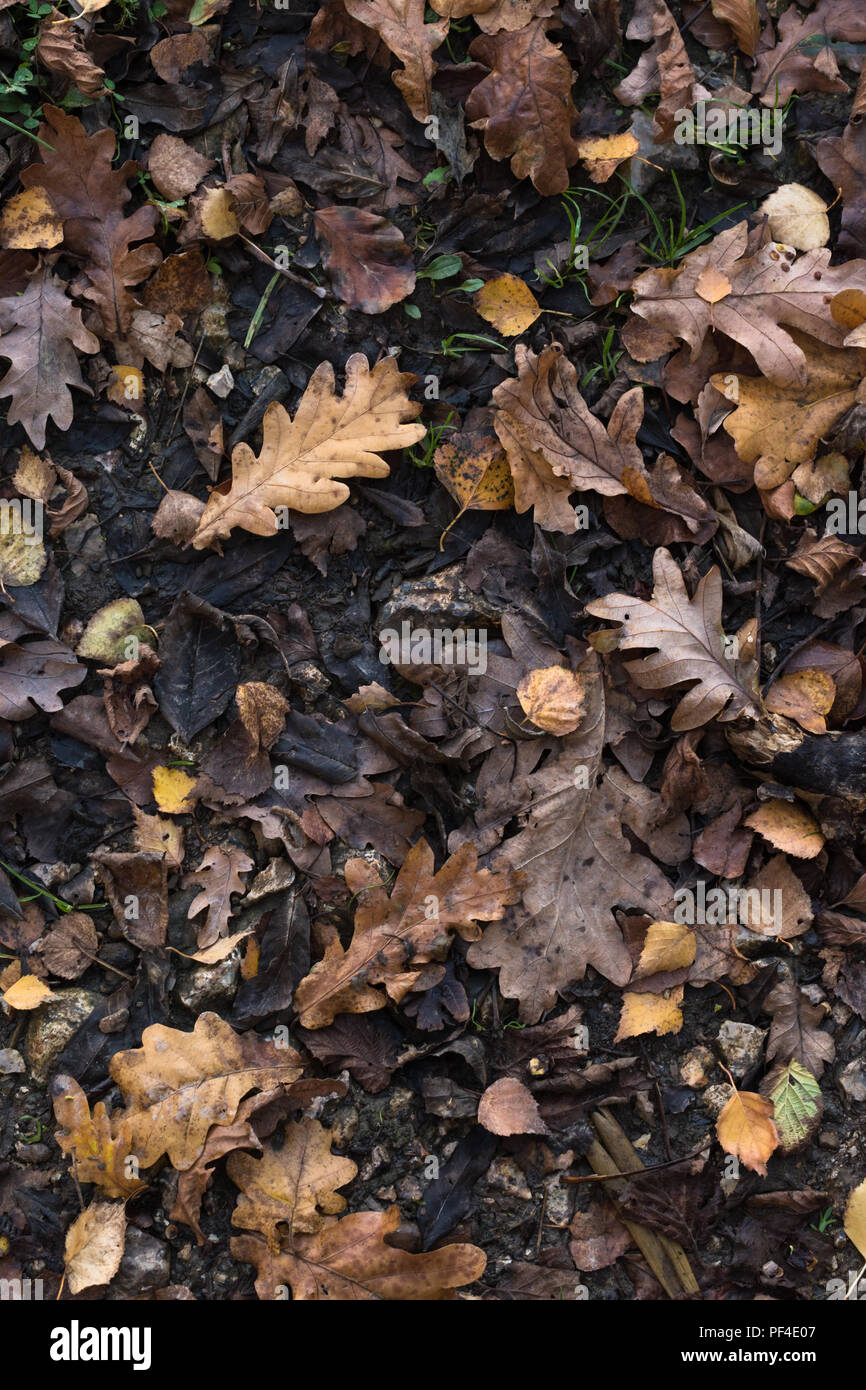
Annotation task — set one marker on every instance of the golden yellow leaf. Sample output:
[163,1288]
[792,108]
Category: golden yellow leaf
[554,698]
[126,387]
[602,153]
[94,1245]
[508,304]
[100,1145]
[650,1013]
[668,946]
[172,790]
[218,211]
[805,696]
[29,222]
[27,993]
[22,554]
[745,1129]
[330,437]
[789,827]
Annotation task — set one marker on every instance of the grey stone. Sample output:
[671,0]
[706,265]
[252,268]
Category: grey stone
[852,1080]
[51,1027]
[742,1045]
[11,1061]
[640,171]
[204,985]
[146,1264]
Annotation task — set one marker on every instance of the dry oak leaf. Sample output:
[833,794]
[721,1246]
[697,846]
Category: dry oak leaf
[803,60]
[366,256]
[778,427]
[89,196]
[524,107]
[770,288]
[94,1245]
[178,1084]
[788,826]
[554,698]
[394,938]
[330,437]
[542,410]
[855,1218]
[400,24]
[601,154]
[99,1145]
[689,639]
[805,696]
[294,1186]
[508,304]
[218,876]
[509,1107]
[650,1013]
[835,567]
[665,68]
[745,1129]
[41,330]
[349,1260]
[579,866]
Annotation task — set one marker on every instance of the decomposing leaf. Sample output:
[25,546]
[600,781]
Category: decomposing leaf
[296,1185]
[472,465]
[369,263]
[94,1245]
[524,107]
[797,1106]
[553,698]
[395,937]
[218,876]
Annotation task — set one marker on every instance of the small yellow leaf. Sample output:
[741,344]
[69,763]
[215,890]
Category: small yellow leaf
[788,826]
[508,304]
[29,222]
[745,1129]
[126,387]
[711,285]
[553,698]
[219,219]
[27,993]
[172,790]
[650,1013]
[668,946]
[602,153]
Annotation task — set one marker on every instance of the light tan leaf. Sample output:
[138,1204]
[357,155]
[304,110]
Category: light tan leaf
[22,554]
[798,217]
[688,637]
[329,438]
[855,1217]
[789,827]
[742,16]
[211,955]
[554,698]
[154,835]
[400,24]
[508,304]
[509,1107]
[262,710]
[71,946]
[218,876]
[295,1185]
[745,1129]
[94,1245]
[106,633]
[711,285]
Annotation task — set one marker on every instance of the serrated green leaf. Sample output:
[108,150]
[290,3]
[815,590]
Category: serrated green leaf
[797,1105]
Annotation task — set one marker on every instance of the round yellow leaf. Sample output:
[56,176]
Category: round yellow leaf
[172,790]
[553,698]
[508,304]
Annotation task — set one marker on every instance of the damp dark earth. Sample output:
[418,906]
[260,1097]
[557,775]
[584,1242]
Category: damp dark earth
[432,632]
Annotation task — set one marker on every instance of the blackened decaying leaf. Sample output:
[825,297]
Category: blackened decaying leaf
[284,960]
[447,1199]
[367,1045]
[200,664]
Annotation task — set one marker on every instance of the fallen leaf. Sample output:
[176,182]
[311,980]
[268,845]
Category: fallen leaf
[472,465]
[295,1185]
[329,438]
[668,946]
[788,826]
[509,1107]
[798,217]
[524,107]
[745,1129]
[650,1013]
[400,24]
[602,154]
[369,263]
[218,877]
[805,696]
[173,790]
[553,697]
[28,992]
[29,222]
[94,1244]
[855,1218]
[742,16]
[797,1106]
[508,304]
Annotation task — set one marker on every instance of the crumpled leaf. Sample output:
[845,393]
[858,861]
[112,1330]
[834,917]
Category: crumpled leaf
[524,107]
[687,634]
[329,438]
[395,937]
